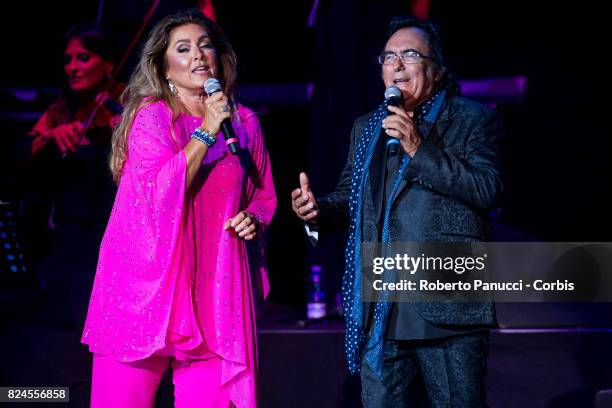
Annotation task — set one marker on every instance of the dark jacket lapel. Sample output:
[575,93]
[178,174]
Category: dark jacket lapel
[434,137]
[377,174]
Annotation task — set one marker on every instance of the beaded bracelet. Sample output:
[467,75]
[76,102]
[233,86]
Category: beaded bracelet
[203,136]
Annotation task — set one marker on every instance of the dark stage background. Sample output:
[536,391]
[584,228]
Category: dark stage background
[308,82]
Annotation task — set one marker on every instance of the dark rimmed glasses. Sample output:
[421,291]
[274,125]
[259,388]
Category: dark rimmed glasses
[406,56]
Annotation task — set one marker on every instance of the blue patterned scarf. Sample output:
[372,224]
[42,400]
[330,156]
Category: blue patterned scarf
[425,117]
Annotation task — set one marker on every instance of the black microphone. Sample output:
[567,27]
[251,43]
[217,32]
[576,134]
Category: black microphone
[211,86]
[393,97]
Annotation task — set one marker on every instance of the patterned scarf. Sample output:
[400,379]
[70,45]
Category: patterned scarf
[425,117]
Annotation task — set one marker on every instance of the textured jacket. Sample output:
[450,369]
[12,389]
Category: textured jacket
[443,197]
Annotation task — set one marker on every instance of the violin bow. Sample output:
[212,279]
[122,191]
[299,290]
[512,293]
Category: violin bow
[145,21]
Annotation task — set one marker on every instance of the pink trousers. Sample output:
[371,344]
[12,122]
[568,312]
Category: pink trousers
[197,383]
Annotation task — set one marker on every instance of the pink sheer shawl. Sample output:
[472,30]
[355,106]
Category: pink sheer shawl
[169,279]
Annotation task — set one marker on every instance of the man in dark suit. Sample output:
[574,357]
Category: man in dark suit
[436,187]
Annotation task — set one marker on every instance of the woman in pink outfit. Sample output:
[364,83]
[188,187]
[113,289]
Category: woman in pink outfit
[173,284]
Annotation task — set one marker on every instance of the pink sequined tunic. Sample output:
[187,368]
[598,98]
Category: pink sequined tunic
[169,279]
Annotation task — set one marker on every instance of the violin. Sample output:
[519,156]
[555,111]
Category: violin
[100,115]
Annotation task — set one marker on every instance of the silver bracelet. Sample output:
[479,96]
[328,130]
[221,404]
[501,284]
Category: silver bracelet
[203,136]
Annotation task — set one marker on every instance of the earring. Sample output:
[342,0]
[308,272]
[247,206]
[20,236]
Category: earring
[172,88]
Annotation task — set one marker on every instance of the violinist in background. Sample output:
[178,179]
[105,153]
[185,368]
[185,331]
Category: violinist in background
[68,171]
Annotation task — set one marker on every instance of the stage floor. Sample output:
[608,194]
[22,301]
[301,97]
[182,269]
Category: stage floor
[302,364]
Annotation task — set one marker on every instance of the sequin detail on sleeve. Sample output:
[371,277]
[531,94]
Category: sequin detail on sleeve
[169,279]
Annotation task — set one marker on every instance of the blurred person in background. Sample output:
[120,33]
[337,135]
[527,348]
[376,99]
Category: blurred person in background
[69,189]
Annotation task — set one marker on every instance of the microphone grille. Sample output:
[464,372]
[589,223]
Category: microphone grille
[393,92]
[211,86]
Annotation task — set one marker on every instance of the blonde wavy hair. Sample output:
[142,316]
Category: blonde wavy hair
[149,77]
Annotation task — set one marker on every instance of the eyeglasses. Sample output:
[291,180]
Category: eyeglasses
[407,57]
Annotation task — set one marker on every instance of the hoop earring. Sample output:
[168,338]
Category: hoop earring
[172,88]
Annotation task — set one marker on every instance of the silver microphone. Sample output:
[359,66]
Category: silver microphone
[393,97]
